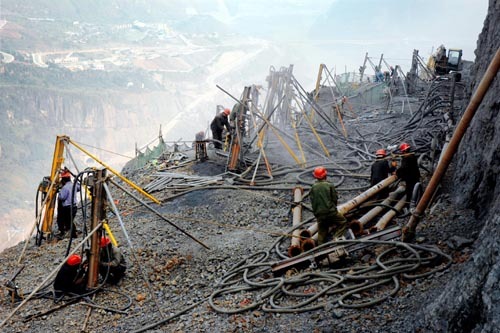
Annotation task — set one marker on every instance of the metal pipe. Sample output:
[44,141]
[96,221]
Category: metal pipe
[377,210]
[489,75]
[353,203]
[387,217]
[308,244]
[294,249]
[131,246]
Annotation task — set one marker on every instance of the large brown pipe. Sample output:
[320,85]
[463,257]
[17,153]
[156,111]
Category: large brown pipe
[295,249]
[387,217]
[353,203]
[489,75]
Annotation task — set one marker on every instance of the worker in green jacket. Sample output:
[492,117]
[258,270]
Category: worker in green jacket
[324,204]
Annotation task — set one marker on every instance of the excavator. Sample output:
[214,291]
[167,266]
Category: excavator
[441,63]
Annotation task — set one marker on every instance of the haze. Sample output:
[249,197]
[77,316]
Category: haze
[170,55]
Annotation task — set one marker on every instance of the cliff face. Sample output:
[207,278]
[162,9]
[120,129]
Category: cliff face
[479,152]
[32,117]
[471,302]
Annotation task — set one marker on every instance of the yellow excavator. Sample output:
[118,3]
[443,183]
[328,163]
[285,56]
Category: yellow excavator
[441,63]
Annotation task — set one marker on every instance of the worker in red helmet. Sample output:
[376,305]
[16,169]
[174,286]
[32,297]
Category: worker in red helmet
[380,170]
[217,126]
[72,277]
[408,171]
[112,264]
[324,204]
[66,205]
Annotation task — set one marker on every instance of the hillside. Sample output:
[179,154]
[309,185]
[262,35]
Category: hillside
[203,261]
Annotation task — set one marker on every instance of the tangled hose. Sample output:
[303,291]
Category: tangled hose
[249,284]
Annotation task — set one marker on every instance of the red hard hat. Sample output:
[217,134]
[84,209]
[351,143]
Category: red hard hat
[319,173]
[404,146]
[227,112]
[381,152]
[74,260]
[104,242]
[65,174]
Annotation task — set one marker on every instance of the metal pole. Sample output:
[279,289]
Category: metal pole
[132,249]
[116,173]
[489,75]
[318,83]
[157,213]
[98,215]
[49,276]
[294,248]
[363,68]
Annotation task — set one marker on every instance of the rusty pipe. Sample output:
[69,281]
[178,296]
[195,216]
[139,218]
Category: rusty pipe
[470,111]
[387,217]
[308,244]
[353,203]
[356,227]
[294,248]
[304,233]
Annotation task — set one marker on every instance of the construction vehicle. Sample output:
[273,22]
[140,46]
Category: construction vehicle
[441,63]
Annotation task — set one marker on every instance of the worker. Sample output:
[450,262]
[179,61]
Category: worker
[379,76]
[324,204]
[72,277]
[408,171]
[112,264]
[66,209]
[380,170]
[237,117]
[217,126]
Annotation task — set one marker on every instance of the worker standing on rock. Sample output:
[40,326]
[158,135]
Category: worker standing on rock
[217,126]
[112,264]
[408,171]
[71,278]
[66,210]
[324,204]
[380,170]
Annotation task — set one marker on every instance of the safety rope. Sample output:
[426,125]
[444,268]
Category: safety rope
[102,149]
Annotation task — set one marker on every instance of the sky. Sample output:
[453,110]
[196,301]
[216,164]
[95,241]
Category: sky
[339,33]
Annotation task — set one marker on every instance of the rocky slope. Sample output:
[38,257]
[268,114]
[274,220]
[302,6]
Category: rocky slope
[471,302]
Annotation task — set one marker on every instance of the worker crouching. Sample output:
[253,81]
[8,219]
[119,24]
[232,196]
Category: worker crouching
[71,278]
[324,204]
[112,264]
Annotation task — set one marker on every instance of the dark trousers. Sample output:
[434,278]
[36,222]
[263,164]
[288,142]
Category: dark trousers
[65,214]
[337,221]
[409,190]
[217,135]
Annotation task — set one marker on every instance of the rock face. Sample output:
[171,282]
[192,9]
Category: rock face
[471,301]
[32,117]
